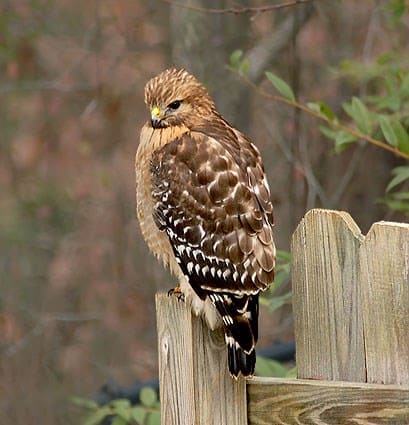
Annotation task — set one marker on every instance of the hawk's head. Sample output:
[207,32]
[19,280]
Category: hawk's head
[176,97]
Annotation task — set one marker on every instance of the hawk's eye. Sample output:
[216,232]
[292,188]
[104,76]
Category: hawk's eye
[174,105]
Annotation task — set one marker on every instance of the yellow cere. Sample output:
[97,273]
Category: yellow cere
[155,111]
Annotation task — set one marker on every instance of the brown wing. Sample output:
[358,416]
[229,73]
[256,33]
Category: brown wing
[212,200]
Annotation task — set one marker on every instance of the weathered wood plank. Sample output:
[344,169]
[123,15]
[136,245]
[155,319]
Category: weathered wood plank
[384,259]
[328,323]
[219,398]
[306,402]
[176,364]
[351,308]
[195,386]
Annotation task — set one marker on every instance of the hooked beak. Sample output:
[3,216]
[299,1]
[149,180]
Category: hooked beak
[155,117]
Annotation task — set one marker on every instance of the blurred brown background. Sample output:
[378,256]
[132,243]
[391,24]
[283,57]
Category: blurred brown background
[77,283]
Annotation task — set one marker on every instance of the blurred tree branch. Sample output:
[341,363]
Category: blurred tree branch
[305,166]
[42,324]
[45,86]
[267,50]
[188,50]
[238,10]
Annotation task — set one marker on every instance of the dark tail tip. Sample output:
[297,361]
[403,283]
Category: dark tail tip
[240,361]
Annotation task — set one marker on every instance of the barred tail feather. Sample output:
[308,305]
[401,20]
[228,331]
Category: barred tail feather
[240,320]
[238,360]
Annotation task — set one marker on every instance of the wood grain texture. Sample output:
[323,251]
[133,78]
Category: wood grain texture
[351,299]
[302,402]
[351,308]
[384,259]
[326,299]
[195,386]
[174,327]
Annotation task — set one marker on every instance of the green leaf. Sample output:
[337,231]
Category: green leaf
[122,407]
[269,367]
[347,107]
[291,373]
[119,420]
[342,140]
[283,88]
[405,85]
[235,59]
[238,63]
[283,256]
[358,111]
[153,418]
[278,301]
[403,196]
[139,413]
[244,66]
[355,70]
[329,132]
[98,416]
[394,132]
[397,7]
[314,106]
[396,204]
[391,101]
[388,131]
[390,82]
[85,402]
[403,143]
[282,276]
[148,396]
[265,299]
[327,111]
[401,174]
[383,58]
[323,109]
[121,403]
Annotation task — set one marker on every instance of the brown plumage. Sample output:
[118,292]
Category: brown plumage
[204,208]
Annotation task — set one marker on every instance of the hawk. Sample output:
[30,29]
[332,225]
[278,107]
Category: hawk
[203,204]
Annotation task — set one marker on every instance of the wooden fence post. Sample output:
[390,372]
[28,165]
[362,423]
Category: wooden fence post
[351,314]
[195,386]
[351,299]
[384,260]
[326,300]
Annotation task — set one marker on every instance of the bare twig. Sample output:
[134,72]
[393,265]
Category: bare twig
[267,50]
[330,122]
[42,324]
[45,86]
[355,161]
[27,338]
[347,177]
[309,175]
[238,10]
[353,165]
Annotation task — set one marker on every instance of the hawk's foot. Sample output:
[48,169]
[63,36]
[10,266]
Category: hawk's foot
[177,292]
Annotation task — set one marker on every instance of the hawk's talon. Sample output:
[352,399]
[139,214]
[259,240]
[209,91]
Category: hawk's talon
[180,296]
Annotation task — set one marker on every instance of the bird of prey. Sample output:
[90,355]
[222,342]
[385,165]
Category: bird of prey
[203,204]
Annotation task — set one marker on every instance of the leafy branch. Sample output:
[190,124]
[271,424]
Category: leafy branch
[121,411]
[322,112]
[380,119]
